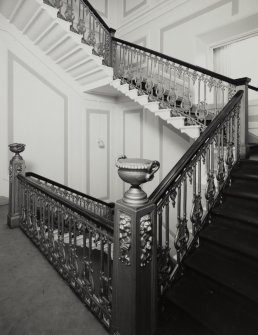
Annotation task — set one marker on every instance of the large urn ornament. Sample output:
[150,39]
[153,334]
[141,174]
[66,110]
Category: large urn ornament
[136,171]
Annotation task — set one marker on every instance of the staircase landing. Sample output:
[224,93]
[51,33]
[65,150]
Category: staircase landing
[33,297]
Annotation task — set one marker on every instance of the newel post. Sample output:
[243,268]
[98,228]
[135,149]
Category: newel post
[134,264]
[242,84]
[16,166]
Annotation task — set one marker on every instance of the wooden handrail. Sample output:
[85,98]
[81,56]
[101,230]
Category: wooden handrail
[177,170]
[101,221]
[35,175]
[254,88]
[237,82]
[87,3]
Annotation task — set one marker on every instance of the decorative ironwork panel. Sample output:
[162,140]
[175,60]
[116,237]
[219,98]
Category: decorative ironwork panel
[125,232]
[79,249]
[145,240]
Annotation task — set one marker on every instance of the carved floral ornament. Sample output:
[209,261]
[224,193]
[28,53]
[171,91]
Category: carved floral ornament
[125,238]
[146,240]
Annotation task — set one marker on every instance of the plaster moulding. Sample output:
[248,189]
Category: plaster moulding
[146,14]
[105,12]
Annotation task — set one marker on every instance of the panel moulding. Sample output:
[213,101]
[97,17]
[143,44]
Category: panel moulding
[12,59]
[88,156]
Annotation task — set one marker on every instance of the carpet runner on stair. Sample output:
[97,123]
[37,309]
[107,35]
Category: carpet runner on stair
[218,292]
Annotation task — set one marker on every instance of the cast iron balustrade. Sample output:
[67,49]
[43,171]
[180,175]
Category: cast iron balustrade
[185,196]
[78,243]
[188,90]
[86,21]
[141,251]
[85,201]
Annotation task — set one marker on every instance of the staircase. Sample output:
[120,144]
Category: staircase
[214,287]
[60,38]
[217,293]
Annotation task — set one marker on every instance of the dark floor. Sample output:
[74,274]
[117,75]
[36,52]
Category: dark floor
[34,300]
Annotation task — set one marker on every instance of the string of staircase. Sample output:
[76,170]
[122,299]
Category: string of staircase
[125,266]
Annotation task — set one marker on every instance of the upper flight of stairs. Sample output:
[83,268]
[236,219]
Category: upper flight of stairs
[218,293]
[53,36]
[39,22]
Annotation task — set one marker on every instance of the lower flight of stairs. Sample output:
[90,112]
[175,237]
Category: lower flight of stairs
[218,292]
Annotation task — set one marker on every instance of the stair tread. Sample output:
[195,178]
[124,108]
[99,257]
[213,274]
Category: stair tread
[234,275]
[174,321]
[235,239]
[208,303]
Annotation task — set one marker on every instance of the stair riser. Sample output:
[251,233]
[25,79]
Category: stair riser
[249,165]
[224,251]
[228,286]
[245,183]
[234,223]
[241,202]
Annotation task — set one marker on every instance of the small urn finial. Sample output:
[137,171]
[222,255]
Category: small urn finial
[136,171]
[17,148]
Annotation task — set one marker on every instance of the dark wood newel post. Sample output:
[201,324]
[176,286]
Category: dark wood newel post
[134,264]
[16,166]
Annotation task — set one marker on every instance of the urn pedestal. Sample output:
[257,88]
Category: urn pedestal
[17,166]
[136,171]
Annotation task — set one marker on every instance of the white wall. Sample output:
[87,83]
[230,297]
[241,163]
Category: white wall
[41,109]
[71,137]
[187,29]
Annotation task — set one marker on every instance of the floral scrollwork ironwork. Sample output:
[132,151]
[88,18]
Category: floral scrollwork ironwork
[186,103]
[221,170]
[91,40]
[182,236]
[81,26]
[125,238]
[197,212]
[69,14]
[146,240]
[165,266]
[172,196]
[201,112]
[172,96]
[230,155]
[210,188]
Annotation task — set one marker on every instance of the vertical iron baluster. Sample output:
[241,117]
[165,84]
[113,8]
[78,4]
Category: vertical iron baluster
[160,227]
[216,99]
[221,167]
[177,238]
[101,274]
[223,96]
[167,222]
[230,156]
[185,199]
[48,228]
[194,212]
[205,101]
[198,99]
[210,187]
